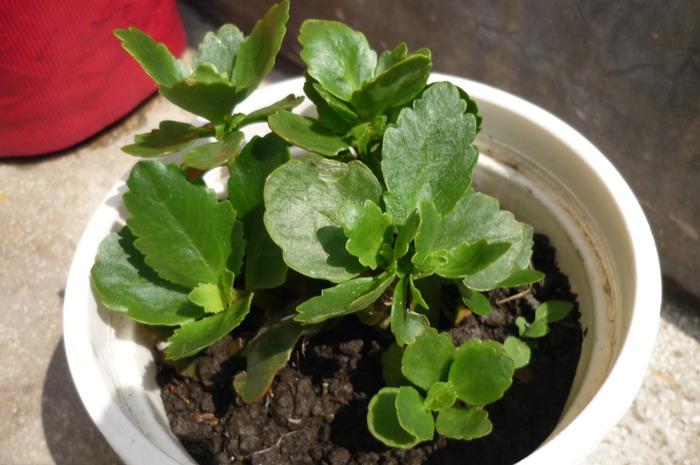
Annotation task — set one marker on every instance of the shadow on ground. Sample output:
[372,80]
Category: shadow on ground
[71,435]
[681,308]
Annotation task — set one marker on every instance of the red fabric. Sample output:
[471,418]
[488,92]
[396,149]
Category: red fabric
[64,75]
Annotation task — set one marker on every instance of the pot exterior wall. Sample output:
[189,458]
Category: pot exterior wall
[626,75]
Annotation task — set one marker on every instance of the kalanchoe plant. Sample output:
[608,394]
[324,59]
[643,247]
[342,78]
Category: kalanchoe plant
[377,219]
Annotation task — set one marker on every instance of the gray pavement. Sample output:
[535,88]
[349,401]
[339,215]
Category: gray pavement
[46,202]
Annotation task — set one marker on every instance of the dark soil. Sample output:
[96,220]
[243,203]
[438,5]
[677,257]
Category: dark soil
[315,412]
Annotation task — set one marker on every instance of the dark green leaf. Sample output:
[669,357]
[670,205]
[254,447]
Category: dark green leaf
[261,115]
[427,360]
[343,299]
[475,301]
[413,416]
[303,199]
[214,101]
[181,227]
[463,423]
[170,137]
[406,325]
[429,155]
[197,335]
[155,59]
[383,421]
[339,58]
[307,133]
[220,49]
[332,112]
[257,53]
[265,267]
[391,366]
[396,86]
[266,354]
[127,284]
[223,152]
[481,372]
[391,57]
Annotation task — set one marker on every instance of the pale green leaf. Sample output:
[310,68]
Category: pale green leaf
[127,284]
[429,155]
[518,350]
[303,199]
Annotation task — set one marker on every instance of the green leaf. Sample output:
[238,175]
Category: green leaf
[127,284]
[181,227]
[266,354]
[406,234]
[390,58]
[213,100]
[522,278]
[197,335]
[427,360]
[303,199]
[307,133]
[332,112]
[406,325]
[413,416]
[154,58]
[468,259]
[518,350]
[343,299]
[396,86]
[553,311]
[339,58]
[440,395]
[257,53]
[481,372]
[463,423]
[288,103]
[265,267]
[475,301]
[383,421]
[219,49]
[429,155]
[426,236]
[367,229]
[477,217]
[223,152]
[170,137]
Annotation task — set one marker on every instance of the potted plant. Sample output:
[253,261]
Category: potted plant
[375,223]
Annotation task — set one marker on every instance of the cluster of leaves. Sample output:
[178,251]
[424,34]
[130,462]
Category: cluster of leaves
[375,220]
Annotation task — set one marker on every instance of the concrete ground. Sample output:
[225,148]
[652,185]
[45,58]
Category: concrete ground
[46,202]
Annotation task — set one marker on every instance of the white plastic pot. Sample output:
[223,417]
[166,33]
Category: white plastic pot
[539,168]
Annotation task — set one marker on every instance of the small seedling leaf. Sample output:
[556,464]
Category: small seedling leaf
[474,300]
[463,423]
[367,229]
[522,278]
[213,154]
[427,360]
[440,395]
[406,325]
[481,372]
[391,366]
[518,350]
[170,137]
[553,311]
[220,49]
[413,416]
[383,421]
